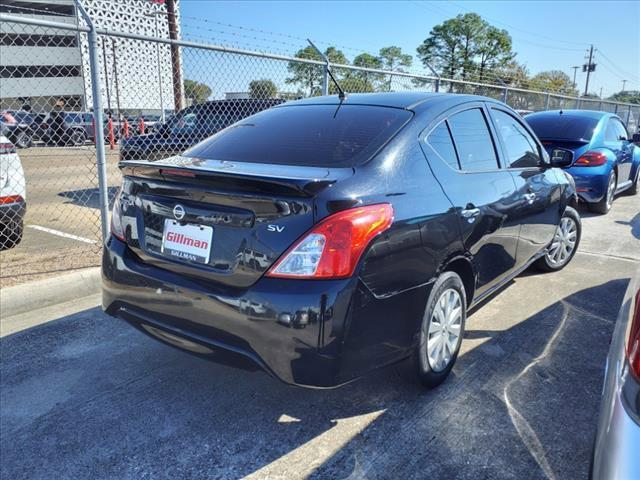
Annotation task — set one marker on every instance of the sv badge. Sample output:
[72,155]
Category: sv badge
[275,228]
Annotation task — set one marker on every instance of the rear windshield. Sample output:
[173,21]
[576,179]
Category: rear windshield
[307,135]
[562,127]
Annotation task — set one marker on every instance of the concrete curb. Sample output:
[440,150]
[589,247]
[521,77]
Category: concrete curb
[50,291]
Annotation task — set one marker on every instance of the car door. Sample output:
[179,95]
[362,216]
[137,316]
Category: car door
[616,140]
[463,156]
[538,192]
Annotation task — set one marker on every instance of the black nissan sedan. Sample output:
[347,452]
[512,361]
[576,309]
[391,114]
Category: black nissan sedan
[326,237]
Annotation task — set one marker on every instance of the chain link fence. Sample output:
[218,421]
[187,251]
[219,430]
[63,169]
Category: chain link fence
[157,97]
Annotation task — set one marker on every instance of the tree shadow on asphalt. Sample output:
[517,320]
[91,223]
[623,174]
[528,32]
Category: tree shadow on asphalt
[88,396]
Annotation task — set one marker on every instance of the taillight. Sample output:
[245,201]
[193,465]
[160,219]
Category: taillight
[117,229]
[591,159]
[633,345]
[7,147]
[334,246]
[11,199]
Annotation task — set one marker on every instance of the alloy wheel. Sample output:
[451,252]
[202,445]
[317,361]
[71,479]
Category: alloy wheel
[564,242]
[611,190]
[445,327]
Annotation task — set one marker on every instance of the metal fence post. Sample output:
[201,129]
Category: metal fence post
[437,85]
[547,101]
[92,38]
[505,95]
[628,115]
[577,103]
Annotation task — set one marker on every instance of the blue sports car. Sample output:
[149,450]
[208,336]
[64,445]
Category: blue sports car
[605,161]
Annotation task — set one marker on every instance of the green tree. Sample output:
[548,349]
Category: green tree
[309,76]
[464,46]
[555,81]
[196,92]
[368,79]
[392,58]
[628,96]
[262,89]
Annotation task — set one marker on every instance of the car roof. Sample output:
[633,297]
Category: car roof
[571,113]
[405,100]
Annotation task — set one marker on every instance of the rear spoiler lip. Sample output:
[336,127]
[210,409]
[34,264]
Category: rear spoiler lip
[308,180]
[581,141]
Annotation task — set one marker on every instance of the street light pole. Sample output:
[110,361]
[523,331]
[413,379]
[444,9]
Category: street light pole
[575,70]
[624,82]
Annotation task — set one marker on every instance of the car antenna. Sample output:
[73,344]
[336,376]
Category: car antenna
[341,95]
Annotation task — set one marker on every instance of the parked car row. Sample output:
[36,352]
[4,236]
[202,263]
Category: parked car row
[72,128]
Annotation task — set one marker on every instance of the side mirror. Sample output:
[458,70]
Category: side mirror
[636,139]
[561,158]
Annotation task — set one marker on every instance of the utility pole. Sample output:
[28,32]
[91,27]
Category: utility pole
[575,70]
[175,55]
[624,82]
[601,93]
[589,67]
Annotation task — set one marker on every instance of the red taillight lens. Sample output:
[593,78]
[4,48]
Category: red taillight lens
[11,199]
[333,248]
[591,159]
[633,345]
[7,147]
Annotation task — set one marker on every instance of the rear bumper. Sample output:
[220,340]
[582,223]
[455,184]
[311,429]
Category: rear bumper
[616,454]
[591,182]
[293,329]
[12,213]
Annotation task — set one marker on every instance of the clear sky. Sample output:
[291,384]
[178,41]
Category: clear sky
[546,34]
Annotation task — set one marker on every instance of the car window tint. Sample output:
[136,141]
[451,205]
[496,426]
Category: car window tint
[308,135]
[621,132]
[611,133]
[473,140]
[441,141]
[562,126]
[521,148]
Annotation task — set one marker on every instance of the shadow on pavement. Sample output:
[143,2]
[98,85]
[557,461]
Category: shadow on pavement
[89,197]
[634,223]
[87,396]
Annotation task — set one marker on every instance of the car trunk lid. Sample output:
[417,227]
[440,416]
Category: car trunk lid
[246,215]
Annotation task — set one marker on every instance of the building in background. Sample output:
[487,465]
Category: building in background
[43,67]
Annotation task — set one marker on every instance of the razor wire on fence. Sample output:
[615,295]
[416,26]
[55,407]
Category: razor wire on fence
[157,97]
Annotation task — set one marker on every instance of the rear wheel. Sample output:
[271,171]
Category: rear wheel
[23,139]
[604,205]
[441,330]
[77,138]
[11,235]
[564,244]
[633,189]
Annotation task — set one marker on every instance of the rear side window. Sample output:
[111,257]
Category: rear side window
[615,131]
[440,140]
[307,135]
[562,127]
[522,150]
[473,140]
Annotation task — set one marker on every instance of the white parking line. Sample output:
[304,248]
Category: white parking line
[62,234]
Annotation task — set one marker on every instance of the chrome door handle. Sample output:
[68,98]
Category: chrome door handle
[530,197]
[470,214]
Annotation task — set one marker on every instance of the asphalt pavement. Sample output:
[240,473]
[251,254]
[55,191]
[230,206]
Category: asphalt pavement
[86,396]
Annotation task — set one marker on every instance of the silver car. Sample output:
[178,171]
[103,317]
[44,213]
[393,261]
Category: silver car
[617,448]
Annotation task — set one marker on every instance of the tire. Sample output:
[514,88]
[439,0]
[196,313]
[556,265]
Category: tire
[434,358]
[77,138]
[553,259]
[23,139]
[12,235]
[633,189]
[604,205]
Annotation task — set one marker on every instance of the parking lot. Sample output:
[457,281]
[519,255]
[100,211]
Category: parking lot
[86,396]
[62,226]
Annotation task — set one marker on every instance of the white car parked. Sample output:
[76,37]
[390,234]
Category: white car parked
[13,196]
